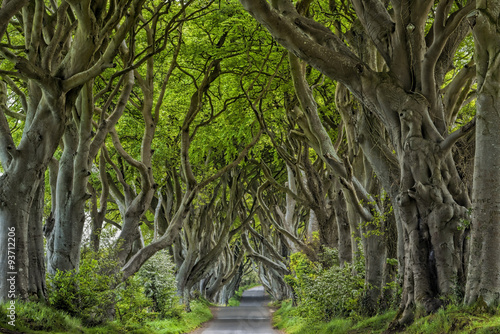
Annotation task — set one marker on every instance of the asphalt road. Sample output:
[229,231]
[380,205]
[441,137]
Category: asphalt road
[252,316]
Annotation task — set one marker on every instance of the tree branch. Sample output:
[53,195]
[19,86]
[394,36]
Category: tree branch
[449,141]
[236,162]
[313,43]
[280,267]
[455,93]
[109,123]
[7,11]
[7,145]
[18,91]
[378,25]
[140,166]
[441,36]
[105,61]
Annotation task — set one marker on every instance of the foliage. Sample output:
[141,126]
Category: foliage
[34,317]
[133,305]
[324,293]
[187,322]
[285,318]
[454,319]
[158,280]
[377,226]
[90,292]
[39,317]
[86,293]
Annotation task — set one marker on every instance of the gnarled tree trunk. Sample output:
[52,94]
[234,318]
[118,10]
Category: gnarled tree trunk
[483,279]
[407,100]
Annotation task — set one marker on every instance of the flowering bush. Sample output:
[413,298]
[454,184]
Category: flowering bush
[158,279]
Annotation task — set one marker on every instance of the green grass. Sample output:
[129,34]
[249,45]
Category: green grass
[39,319]
[455,319]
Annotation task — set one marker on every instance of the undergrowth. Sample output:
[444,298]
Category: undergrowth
[454,319]
[36,318]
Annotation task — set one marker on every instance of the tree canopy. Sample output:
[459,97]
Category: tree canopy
[236,135]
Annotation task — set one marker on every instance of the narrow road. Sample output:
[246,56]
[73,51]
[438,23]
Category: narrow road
[252,316]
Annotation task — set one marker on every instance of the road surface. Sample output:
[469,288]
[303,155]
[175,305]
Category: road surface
[251,317]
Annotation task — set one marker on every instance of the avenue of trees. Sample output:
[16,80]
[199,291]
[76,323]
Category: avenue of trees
[362,134]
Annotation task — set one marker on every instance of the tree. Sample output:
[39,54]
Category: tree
[159,22]
[482,279]
[406,97]
[63,47]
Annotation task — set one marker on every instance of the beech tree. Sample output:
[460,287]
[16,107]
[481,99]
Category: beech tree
[183,125]
[406,97]
[482,280]
[58,48]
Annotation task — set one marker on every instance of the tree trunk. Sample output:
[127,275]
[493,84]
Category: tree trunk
[37,285]
[19,192]
[19,185]
[64,252]
[344,229]
[483,279]
[14,218]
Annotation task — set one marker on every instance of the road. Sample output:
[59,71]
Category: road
[252,316]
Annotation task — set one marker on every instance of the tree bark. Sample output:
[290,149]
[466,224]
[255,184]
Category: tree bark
[19,185]
[483,278]
[36,252]
[406,101]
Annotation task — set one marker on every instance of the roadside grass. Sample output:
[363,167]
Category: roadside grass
[454,319]
[457,319]
[39,318]
[36,318]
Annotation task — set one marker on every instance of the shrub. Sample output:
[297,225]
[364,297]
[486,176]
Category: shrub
[94,292]
[132,305]
[326,293]
[158,279]
[86,293]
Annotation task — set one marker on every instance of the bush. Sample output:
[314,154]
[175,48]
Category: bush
[158,279]
[325,293]
[94,292]
[132,305]
[86,293]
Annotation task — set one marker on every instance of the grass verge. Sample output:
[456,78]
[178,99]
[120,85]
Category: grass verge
[454,319]
[37,318]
